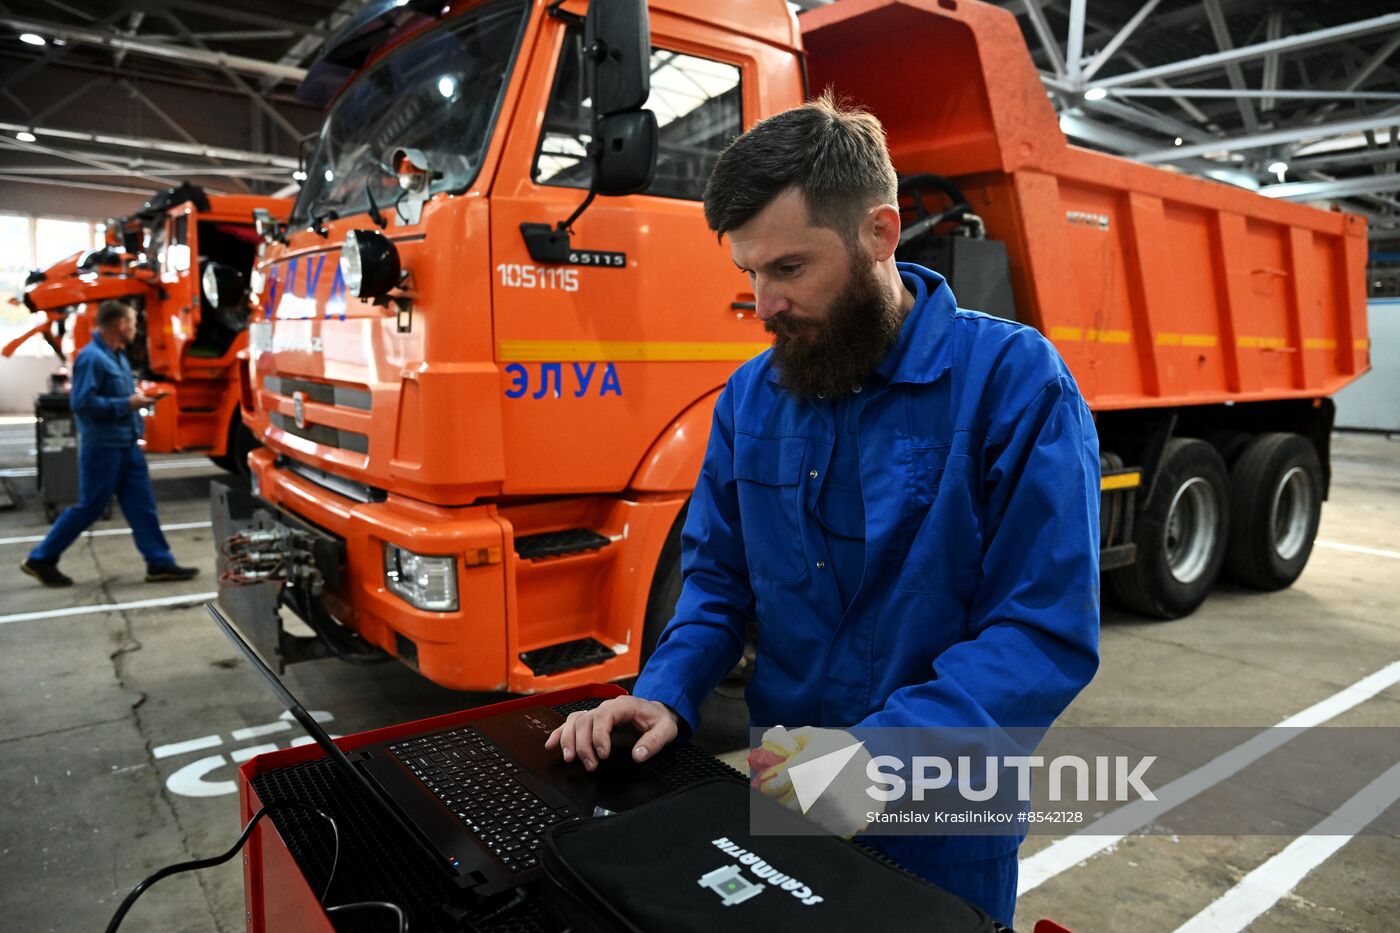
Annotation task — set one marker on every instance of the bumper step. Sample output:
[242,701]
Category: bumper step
[559,543]
[566,656]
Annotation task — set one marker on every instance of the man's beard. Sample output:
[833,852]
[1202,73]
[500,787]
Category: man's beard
[834,356]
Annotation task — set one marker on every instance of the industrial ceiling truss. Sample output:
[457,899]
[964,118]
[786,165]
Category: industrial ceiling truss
[135,95]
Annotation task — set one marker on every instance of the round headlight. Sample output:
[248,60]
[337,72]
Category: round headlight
[369,264]
[210,281]
[350,263]
[223,285]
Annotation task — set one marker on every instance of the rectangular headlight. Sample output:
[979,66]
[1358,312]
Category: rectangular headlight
[421,581]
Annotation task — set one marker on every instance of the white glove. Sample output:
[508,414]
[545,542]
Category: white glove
[795,768]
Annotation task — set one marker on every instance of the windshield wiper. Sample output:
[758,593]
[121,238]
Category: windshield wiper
[318,223]
[374,213]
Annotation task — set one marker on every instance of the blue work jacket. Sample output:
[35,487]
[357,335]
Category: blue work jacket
[102,383]
[978,603]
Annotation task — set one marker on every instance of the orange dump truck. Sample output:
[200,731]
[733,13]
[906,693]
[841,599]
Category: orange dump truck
[482,422]
[170,260]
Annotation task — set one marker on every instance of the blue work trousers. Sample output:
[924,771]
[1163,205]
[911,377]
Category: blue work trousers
[989,883]
[102,473]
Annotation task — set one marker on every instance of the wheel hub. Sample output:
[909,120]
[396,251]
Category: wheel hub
[1289,515]
[1191,529]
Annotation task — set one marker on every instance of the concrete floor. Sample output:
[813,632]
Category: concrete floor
[106,780]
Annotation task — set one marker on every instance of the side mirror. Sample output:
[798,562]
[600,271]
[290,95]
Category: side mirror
[617,43]
[133,238]
[223,285]
[617,72]
[626,152]
[266,226]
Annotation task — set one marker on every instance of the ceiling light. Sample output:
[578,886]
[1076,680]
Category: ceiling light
[1095,93]
[1278,168]
[1177,141]
[32,38]
[447,86]
[298,175]
[25,136]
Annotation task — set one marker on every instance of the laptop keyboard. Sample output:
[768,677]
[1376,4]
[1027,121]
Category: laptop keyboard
[476,780]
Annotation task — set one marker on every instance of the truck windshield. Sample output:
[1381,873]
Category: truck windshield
[438,94]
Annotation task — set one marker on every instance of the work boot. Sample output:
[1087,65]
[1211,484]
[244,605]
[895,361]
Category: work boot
[168,572]
[46,572]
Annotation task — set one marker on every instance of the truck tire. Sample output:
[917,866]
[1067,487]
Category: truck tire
[1180,533]
[1275,505]
[241,442]
[724,716]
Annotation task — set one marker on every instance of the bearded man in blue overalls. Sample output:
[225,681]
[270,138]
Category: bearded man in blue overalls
[901,495]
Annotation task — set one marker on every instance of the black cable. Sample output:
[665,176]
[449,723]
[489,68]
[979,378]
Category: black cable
[382,905]
[516,899]
[197,864]
[311,612]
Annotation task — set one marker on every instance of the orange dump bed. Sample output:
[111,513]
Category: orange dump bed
[1157,288]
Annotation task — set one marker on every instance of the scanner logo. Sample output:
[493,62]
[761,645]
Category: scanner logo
[731,885]
[734,886]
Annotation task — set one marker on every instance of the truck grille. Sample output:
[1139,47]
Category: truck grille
[321,392]
[322,434]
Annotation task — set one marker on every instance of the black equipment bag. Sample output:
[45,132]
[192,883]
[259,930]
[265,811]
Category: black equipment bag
[687,863]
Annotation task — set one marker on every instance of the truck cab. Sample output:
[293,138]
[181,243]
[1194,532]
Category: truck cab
[167,260]
[498,447]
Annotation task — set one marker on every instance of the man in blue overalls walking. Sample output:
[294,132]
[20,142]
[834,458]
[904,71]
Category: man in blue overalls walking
[110,460]
[902,496]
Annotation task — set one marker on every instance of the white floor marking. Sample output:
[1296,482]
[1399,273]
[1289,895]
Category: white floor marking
[109,532]
[189,780]
[1269,883]
[193,779]
[1108,830]
[190,745]
[189,599]
[1358,549]
[153,466]
[319,715]
[240,755]
[253,732]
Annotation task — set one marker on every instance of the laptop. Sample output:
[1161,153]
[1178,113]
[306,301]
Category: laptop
[477,798]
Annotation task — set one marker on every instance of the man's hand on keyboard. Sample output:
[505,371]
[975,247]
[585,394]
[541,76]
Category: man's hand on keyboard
[587,735]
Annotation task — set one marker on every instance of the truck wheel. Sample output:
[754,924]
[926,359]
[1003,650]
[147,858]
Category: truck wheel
[1275,504]
[1180,534]
[241,442]
[724,716]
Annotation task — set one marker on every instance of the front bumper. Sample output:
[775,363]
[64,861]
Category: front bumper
[464,650]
